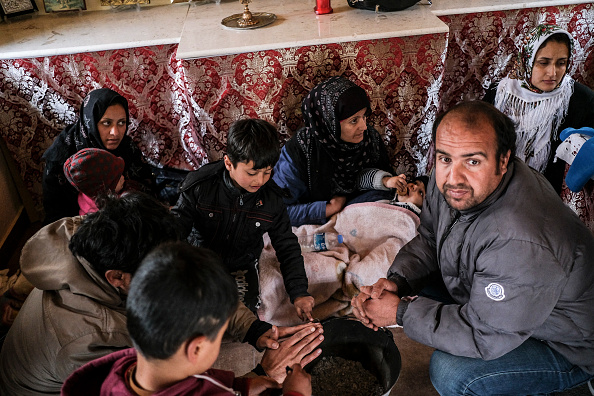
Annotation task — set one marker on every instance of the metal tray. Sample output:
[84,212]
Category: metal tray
[263,18]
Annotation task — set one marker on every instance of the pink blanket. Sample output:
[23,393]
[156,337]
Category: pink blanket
[373,234]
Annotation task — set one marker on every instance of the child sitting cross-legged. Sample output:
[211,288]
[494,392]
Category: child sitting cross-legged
[179,306]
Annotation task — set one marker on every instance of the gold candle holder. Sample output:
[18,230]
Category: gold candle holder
[247,19]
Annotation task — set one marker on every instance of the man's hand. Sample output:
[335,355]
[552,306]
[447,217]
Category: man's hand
[300,348]
[303,306]
[258,385]
[371,292]
[270,339]
[297,381]
[335,205]
[382,311]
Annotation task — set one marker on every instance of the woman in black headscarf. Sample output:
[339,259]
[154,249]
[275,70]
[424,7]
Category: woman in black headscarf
[336,158]
[103,124]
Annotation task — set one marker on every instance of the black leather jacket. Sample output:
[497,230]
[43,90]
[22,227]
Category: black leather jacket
[232,222]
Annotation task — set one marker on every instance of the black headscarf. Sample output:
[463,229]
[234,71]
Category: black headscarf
[328,103]
[84,133]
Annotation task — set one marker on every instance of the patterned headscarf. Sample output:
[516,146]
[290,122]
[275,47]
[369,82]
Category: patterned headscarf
[323,108]
[84,133]
[537,114]
[527,54]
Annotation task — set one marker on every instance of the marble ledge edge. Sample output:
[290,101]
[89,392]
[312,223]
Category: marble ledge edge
[71,50]
[506,7]
[224,51]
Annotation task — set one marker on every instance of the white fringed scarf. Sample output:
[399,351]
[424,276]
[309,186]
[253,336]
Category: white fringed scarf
[537,117]
[537,114]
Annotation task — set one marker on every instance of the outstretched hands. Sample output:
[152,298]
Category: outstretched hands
[376,305]
[299,348]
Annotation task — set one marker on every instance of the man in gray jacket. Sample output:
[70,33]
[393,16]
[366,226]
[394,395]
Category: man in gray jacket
[518,266]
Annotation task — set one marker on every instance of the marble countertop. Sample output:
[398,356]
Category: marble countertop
[86,31]
[297,25]
[197,26]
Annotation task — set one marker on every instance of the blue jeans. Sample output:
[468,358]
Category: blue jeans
[531,369]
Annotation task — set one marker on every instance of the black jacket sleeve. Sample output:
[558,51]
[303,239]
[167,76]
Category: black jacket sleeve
[60,198]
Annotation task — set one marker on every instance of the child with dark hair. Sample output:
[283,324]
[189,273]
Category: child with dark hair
[81,269]
[94,172]
[228,205]
[409,195]
[176,343]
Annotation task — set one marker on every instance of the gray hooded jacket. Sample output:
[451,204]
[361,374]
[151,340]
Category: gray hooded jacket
[519,265]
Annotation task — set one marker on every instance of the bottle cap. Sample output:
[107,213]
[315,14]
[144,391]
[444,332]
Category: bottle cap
[339,238]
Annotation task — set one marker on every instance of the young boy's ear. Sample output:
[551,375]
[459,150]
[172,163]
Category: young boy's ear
[194,347]
[228,163]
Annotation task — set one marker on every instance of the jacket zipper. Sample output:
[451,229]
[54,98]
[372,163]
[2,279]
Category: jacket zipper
[447,233]
[235,216]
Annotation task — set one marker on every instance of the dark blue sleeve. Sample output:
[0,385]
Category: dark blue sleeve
[288,177]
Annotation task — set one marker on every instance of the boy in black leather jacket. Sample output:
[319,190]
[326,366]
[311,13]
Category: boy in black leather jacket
[228,205]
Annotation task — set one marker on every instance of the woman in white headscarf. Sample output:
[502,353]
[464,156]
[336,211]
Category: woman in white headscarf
[543,99]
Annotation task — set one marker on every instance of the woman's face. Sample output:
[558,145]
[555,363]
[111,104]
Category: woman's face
[112,126]
[550,65]
[353,128]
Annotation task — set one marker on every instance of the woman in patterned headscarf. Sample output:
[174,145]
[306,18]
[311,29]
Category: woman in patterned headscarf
[543,99]
[103,124]
[336,158]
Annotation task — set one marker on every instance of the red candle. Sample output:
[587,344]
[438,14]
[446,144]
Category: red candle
[323,7]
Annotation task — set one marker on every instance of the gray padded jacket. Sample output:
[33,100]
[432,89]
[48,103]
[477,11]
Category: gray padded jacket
[519,265]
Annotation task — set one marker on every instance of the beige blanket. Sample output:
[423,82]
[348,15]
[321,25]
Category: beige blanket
[373,234]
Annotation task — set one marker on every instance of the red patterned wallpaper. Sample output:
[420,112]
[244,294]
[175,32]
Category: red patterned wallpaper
[181,109]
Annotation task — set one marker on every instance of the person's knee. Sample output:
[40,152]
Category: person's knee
[451,375]
[440,373]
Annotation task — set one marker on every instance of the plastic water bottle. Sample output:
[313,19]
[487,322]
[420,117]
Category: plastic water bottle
[320,241]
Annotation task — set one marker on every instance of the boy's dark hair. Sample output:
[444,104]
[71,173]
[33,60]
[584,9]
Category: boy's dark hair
[423,178]
[253,140]
[473,112]
[123,231]
[178,293]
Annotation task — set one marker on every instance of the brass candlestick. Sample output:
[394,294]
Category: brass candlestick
[247,17]
[248,20]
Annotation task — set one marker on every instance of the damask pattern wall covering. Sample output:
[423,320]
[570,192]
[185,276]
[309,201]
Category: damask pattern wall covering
[181,109]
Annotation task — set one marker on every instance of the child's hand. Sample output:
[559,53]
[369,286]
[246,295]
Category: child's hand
[397,182]
[304,305]
[335,205]
[297,381]
[259,385]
